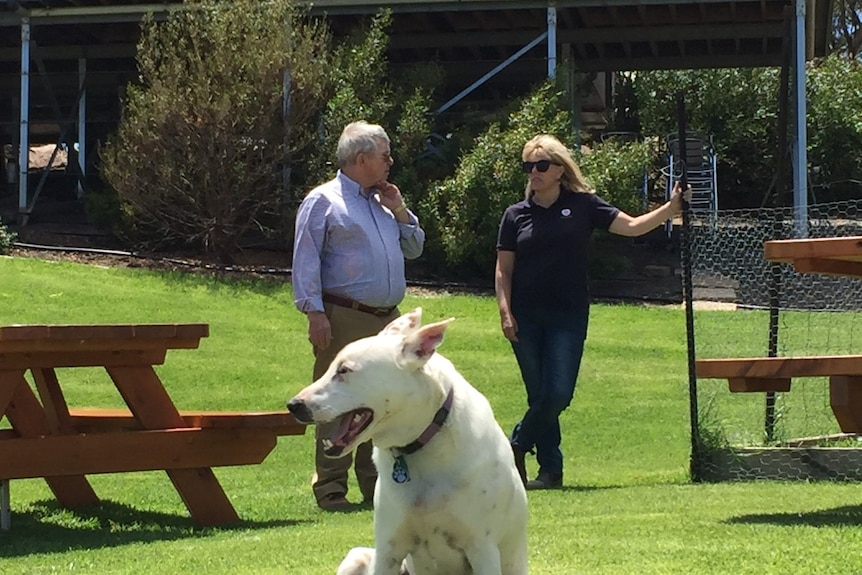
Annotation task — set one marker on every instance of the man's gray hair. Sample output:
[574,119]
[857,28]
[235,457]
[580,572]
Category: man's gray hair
[358,138]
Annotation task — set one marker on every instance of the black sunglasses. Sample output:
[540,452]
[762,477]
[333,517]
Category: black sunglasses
[541,165]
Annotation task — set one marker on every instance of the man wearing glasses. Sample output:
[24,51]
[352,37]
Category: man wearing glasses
[352,236]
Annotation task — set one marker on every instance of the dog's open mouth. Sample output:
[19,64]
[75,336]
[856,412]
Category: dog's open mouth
[350,425]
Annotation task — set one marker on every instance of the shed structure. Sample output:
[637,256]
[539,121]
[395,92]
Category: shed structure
[64,63]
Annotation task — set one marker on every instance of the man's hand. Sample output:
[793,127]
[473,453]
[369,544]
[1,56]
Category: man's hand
[319,330]
[390,195]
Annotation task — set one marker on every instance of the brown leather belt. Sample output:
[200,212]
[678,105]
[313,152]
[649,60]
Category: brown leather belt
[353,304]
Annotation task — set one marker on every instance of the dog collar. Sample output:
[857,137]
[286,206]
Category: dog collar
[430,431]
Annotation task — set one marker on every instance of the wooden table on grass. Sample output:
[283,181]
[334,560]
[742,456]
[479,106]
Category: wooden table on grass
[827,256]
[48,439]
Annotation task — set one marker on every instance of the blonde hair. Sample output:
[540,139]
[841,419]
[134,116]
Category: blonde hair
[557,152]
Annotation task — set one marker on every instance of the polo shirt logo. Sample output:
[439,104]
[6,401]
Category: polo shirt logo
[566,212]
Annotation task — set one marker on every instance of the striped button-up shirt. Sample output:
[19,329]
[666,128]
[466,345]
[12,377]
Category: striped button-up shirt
[352,246]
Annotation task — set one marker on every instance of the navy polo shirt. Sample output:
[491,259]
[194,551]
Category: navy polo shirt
[551,248]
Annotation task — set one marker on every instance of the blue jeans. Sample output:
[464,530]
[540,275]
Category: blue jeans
[549,350]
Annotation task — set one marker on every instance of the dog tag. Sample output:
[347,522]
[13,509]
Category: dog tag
[399,470]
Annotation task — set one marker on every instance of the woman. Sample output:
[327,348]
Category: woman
[542,292]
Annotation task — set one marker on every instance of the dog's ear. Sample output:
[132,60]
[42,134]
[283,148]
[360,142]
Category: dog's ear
[405,324]
[420,345]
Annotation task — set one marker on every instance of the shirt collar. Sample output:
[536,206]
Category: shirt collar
[349,186]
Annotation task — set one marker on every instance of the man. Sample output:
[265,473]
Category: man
[352,235]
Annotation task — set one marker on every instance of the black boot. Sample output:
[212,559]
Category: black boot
[520,463]
[545,481]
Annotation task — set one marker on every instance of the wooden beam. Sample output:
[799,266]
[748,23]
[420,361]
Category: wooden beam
[779,367]
[814,248]
[829,267]
[174,449]
[752,384]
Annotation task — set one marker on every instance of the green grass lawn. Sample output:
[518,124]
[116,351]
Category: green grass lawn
[628,505]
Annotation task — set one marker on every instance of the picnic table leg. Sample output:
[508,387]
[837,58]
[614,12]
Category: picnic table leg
[152,407]
[28,419]
[53,402]
[845,396]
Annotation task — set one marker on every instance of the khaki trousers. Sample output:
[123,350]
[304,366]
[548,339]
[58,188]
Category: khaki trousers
[330,475]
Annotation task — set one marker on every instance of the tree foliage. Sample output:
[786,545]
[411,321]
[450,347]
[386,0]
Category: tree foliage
[739,109]
[364,88]
[835,129]
[618,170]
[462,212]
[847,28]
[465,209]
[196,159]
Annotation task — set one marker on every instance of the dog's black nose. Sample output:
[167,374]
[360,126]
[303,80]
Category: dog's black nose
[299,410]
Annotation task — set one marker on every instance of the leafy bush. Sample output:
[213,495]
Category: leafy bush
[465,210]
[835,129]
[7,238]
[617,171]
[739,107]
[364,89]
[196,157]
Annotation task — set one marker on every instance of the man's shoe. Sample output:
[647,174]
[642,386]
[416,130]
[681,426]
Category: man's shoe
[335,502]
[520,463]
[545,481]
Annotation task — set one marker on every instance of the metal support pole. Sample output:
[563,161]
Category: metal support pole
[286,104]
[491,74]
[82,125]
[24,139]
[800,147]
[5,510]
[552,41]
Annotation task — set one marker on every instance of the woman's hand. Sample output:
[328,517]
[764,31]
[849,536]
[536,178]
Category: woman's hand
[677,196]
[509,325]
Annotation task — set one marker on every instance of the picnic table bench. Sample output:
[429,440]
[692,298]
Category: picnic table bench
[48,439]
[765,374]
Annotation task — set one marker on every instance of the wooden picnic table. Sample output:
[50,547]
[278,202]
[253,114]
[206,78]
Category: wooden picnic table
[840,256]
[828,256]
[48,439]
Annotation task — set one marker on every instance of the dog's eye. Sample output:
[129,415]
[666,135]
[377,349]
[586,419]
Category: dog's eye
[343,370]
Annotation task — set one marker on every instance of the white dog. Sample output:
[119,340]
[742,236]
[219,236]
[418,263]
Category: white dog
[448,500]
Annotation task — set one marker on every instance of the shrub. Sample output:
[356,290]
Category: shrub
[617,171]
[835,129]
[7,238]
[197,154]
[739,107]
[463,212]
[364,89]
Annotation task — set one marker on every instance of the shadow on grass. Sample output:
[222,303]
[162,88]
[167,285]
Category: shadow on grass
[47,527]
[577,489]
[845,516]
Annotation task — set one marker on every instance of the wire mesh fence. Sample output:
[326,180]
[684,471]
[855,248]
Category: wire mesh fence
[746,307]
